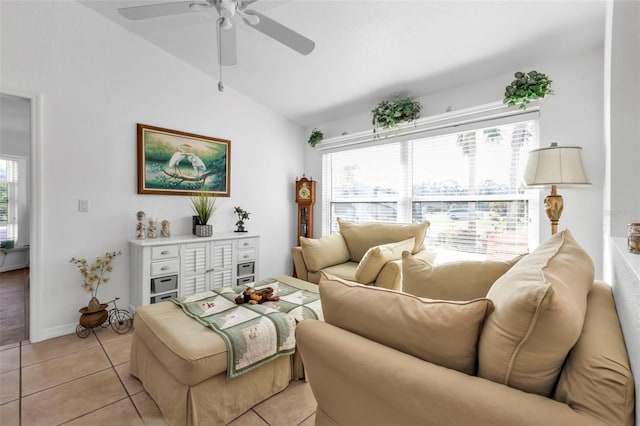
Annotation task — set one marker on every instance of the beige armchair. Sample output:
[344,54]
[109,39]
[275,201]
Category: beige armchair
[544,347]
[368,253]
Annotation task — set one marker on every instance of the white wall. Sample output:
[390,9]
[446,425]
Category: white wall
[572,116]
[95,82]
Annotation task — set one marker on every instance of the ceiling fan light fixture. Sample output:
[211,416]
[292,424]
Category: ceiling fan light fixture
[226,23]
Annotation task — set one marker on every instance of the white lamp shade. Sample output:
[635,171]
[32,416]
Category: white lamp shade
[556,165]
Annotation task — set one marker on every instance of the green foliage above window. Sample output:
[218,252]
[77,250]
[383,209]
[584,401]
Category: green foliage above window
[389,114]
[316,137]
[527,87]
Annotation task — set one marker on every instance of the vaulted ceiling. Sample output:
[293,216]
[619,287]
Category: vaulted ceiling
[368,50]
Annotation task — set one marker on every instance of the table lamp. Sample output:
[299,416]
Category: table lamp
[555,165]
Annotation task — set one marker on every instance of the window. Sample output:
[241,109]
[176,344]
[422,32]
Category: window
[8,199]
[466,181]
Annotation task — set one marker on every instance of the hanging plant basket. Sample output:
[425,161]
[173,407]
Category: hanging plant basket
[527,87]
[316,137]
[389,114]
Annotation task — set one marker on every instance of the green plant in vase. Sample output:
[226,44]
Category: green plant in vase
[203,205]
[388,114]
[527,87]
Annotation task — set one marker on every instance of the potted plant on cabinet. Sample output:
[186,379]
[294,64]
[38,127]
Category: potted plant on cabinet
[527,87]
[242,216]
[203,205]
[388,114]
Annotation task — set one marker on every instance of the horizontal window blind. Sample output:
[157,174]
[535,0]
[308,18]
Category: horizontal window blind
[466,182]
[8,199]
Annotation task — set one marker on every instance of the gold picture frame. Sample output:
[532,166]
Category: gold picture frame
[171,162]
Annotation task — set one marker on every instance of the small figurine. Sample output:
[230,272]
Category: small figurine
[165,231]
[242,216]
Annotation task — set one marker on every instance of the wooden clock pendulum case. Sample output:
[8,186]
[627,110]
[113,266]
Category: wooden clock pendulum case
[305,198]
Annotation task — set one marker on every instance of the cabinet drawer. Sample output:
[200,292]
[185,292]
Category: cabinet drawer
[245,268]
[245,280]
[164,268]
[162,298]
[164,252]
[163,284]
[247,243]
[245,255]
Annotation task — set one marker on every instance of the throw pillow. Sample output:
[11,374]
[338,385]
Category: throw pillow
[442,332]
[319,253]
[376,257]
[465,280]
[540,307]
[360,237]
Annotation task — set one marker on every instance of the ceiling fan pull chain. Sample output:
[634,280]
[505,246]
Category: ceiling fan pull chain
[220,85]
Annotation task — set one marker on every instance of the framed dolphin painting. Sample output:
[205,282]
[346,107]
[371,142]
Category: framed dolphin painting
[171,162]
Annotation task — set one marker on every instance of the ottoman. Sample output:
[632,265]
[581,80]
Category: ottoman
[182,366]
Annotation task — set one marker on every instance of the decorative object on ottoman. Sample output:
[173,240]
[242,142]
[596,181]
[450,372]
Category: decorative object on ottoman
[527,87]
[242,216]
[203,205]
[253,296]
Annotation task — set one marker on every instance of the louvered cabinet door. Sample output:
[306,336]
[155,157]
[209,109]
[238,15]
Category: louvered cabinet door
[194,259]
[222,274]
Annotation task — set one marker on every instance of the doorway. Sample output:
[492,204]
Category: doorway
[16,126]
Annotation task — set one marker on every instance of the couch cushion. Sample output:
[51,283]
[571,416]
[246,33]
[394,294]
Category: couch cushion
[464,280]
[360,237]
[540,305]
[319,253]
[441,332]
[597,379]
[376,257]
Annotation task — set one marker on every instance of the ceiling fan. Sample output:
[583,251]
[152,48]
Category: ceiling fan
[226,28]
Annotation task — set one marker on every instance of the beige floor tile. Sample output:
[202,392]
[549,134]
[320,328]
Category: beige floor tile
[56,371]
[151,414]
[131,384]
[106,335]
[72,400]
[121,413]
[9,386]
[119,350]
[290,407]
[56,347]
[250,418]
[10,359]
[10,414]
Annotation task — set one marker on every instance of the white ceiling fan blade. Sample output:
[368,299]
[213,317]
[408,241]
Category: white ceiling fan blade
[226,43]
[279,32]
[163,9]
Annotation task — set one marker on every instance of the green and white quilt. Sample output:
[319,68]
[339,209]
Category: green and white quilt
[254,334]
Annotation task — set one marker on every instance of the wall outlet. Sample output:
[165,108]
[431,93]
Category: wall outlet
[83,206]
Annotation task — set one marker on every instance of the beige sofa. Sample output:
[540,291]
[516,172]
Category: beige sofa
[368,253]
[544,347]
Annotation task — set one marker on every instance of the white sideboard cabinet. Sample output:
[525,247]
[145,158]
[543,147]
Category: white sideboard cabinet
[164,268]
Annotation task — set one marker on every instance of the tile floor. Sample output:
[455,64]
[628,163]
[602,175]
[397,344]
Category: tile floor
[74,381]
